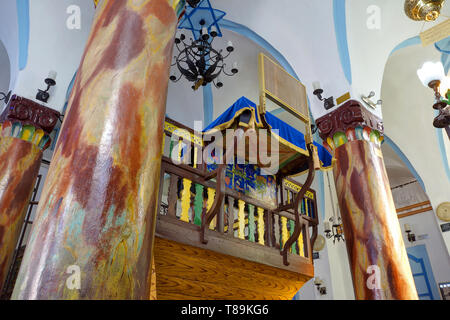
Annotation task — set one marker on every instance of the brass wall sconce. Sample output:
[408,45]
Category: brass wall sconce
[318,91]
[320,287]
[369,102]
[432,75]
[44,95]
[334,231]
[423,10]
[5,96]
[410,233]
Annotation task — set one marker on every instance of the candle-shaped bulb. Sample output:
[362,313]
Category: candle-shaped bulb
[213,31]
[52,75]
[316,85]
[230,47]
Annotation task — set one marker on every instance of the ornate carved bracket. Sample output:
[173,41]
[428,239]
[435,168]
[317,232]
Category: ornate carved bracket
[28,120]
[349,122]
[28,112]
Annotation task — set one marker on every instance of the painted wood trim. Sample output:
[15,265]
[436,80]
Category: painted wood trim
[415,212]
[181,232]
[420,204]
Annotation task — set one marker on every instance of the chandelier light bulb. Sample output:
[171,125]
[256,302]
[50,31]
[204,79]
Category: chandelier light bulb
[235,68]
[431,71]
[213,31]
[230,47]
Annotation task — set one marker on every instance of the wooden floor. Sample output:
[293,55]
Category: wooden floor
[187,272]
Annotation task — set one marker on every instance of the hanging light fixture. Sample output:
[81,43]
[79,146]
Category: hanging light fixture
[432,75]
[334,231]
[423,10]
[199,62]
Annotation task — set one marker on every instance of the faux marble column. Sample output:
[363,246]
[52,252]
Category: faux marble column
[378,259]
[24,133]
[93,235]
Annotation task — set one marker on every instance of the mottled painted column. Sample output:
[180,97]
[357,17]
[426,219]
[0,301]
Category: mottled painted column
[378,259]
[24,133]
[96,217]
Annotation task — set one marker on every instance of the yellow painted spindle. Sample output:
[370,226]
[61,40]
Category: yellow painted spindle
[241,219]
[185,200]
[209,203]
[261,226]
[284,231]
[301,246]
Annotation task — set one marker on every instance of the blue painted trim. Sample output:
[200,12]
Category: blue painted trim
[208,105]
[340,26]
[23,20]
[405,160]
[407,43]
[440,138]
[418,254]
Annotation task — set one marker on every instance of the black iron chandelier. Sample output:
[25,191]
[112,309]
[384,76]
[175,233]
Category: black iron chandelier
[199,62]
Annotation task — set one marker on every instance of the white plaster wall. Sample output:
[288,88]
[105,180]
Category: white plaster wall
[341,278]
[369,49]
[408,118]
[53,46]
[303,32]
[424,224]
[10,38]
[322,270]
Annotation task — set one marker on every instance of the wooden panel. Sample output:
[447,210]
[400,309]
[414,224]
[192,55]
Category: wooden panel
[187,272]
[284,89]
[181,232]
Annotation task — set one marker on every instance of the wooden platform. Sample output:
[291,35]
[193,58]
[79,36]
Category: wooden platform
[184,272]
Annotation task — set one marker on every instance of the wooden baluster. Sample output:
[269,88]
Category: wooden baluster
[185,200]
[221,217]
[209,203]
[198,201]
[301,245]
[307,213]
[261,226]
[231,216]
[241,219]
[291,231]
[198,204]
[268,228]
[172,198]
[284,231]
[276,226]
[251,223]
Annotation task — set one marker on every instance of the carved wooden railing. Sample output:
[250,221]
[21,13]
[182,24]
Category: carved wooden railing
[192,197]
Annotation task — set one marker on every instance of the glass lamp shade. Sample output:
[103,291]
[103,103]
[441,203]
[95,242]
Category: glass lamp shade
[431,71]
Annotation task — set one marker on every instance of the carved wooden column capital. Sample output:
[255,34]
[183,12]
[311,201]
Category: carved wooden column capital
[349,122]
[29,121]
